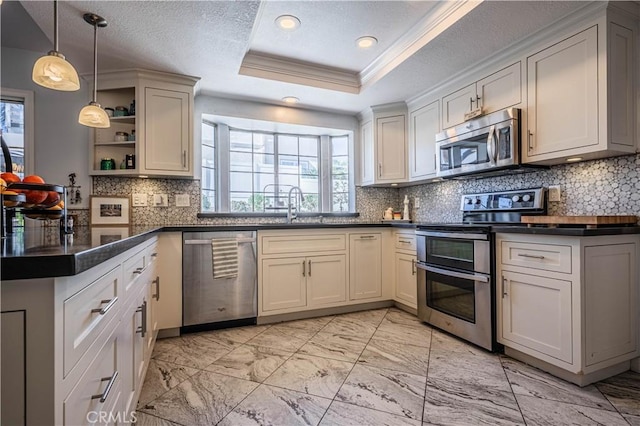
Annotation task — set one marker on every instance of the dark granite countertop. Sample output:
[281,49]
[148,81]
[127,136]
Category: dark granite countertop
[41,252]
[567,231]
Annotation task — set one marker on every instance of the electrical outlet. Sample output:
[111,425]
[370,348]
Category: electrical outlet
[139,200]
[182,200]
[160,200]
[554,193]
[416,203]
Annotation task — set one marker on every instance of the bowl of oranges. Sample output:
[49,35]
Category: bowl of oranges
[36,198]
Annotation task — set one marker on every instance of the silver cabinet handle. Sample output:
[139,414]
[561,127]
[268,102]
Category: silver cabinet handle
[435,161]
[138,271]
[531,256]
[530,140]
[413,266]
[104,395]
[143,310]
[366,237]
[478,101]
[184,159]
[157,283]
[404,241]
[304,268]
[154,254]
[472,277]
[504,287]
[104,310]
[379,169]
[471,100]
[309,267]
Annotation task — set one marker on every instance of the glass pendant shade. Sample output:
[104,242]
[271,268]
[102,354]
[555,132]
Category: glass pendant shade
[54,72]
[93,115]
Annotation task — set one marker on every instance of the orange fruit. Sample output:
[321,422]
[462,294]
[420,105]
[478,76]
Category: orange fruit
[33,179]
[3,185]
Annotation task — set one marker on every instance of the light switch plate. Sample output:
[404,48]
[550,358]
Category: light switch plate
[160,200]
[416,202]
[182,200]
[554,193]
[139,200]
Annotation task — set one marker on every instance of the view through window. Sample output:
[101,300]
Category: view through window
[12,125]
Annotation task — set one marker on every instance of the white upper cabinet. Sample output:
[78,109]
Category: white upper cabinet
[580,95]
[424,124]
[160,132]
[167,131]
[497,91]
[383,145]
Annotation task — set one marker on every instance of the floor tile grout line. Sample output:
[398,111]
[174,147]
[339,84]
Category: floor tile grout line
[178,384]
[426,380]
[612,404]
[162,418]
[504,371]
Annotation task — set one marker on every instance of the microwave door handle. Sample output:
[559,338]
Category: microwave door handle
[491,144]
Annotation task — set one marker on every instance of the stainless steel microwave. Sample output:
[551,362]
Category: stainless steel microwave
[485,145]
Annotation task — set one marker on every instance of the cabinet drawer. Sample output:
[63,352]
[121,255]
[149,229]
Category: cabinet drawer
[83,404]
[547,257]
[87,313]
[302,243]
[133,269]
[406,242]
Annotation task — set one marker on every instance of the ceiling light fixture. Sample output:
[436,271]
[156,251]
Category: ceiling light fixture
[573,159]
[287,22]
[52,70]
[93,115]
[290,100]
[366,42]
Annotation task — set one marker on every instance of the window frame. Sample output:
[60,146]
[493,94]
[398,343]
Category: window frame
[223,162]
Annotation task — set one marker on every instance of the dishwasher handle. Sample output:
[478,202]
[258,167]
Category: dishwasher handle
[208,242]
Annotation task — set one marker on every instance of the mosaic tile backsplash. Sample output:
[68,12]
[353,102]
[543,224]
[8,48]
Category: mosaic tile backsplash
[610,186]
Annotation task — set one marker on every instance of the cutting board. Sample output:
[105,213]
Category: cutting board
[589,221]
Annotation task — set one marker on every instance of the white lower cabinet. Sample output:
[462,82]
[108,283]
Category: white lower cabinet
[302,271]
[569,305]
[87,342]
[406,279]
[365,271]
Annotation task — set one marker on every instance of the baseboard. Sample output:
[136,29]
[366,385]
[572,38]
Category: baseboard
[406,308]
[323,312]
[169,332]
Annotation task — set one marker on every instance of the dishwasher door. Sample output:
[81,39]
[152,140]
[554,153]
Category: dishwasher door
[208,300]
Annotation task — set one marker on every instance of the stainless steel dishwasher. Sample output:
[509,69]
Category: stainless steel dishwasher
[213,302]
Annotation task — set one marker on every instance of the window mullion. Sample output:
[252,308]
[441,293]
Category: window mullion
[325,174]
[223,161]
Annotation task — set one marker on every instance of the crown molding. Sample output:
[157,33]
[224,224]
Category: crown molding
[444,15]
[291,71]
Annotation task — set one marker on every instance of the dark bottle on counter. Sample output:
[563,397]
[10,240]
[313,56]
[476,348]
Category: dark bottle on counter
[132,108]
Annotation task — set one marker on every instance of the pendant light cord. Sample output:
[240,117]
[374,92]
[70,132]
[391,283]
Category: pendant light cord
[95,62]
[55,25]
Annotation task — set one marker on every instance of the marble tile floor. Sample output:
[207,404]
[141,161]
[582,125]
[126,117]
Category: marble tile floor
[378,367]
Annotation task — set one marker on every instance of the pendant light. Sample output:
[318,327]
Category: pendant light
[93,115]
[52,70]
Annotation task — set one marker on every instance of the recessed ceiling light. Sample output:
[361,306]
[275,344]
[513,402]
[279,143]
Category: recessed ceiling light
[573,159]
[287,22]
[366,42]
[290,100]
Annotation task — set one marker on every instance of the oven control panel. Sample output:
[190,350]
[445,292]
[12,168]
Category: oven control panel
[524,199]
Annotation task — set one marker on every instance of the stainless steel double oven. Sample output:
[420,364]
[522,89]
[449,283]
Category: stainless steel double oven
[456,272]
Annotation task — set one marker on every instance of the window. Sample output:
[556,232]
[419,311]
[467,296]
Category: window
[262,167]
[12,125]
[208,183]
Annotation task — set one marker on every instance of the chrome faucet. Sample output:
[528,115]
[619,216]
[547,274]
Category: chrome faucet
[292,212]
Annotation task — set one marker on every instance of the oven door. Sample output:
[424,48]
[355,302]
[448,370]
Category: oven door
[456,302]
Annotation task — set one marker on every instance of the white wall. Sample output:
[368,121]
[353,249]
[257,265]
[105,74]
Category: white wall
[61,144]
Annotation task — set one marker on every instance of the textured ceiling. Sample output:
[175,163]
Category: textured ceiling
[209,39]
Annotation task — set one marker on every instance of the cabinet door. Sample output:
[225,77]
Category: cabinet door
[14,371]
[610,301]
[167,130]
[562,96]
[365,260]
[284,283]
[367,166]
[326,279]
[457,104]
[501,89]
[424,124]
[406,279]
[390,147]
[536,315]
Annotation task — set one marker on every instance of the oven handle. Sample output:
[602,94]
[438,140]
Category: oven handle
[474,277]
[458,235]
